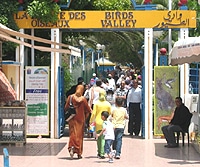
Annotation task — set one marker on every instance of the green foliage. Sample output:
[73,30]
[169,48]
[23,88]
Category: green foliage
[3,20]
[68,81]
[193,5]
[8,47]
[122,47]
[7,9]
[112,4]
[82,5]
[44,10]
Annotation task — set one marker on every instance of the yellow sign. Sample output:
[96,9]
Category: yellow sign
[113,20]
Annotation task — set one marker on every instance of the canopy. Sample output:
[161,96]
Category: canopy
[186,51]
[7,93]
[7,35]
[104,62]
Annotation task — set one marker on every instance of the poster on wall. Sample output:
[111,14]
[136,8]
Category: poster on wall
[37,100]
[166,89]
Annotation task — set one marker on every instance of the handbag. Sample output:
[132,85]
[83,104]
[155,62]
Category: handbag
[92,127]
[70,112]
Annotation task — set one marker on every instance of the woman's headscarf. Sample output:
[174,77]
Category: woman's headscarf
[79,90]
[78,96]
[102,95]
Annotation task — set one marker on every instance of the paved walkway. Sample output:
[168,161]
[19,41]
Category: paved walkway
[136,152]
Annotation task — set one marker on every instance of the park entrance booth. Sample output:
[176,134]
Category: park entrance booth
[104,66]
[116,21]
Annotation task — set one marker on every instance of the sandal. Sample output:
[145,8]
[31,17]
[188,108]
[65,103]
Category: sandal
[80,157]
[71,152]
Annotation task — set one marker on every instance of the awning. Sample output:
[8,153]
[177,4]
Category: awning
[7,93]
[7,34]
[186,51]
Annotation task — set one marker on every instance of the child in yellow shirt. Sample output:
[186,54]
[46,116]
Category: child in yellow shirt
[119,115]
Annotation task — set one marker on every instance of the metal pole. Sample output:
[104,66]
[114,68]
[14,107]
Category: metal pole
[169,30]
[92,60]
[6,157]
[70,64]
[32,49]
[199,106]
[156,52]
[103,65]
[98,58]
[83,61]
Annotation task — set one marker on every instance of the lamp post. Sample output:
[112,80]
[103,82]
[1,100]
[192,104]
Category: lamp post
[100,49]
[163,57]
[82,43]
[182,4]
[92,61]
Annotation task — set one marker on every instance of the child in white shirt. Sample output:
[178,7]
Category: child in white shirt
[108,133]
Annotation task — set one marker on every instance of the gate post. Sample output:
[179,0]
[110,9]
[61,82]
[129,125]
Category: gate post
[148,63]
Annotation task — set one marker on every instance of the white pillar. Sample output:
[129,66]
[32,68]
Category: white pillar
[92,60]
[148,63]
[55,62]
[70,64]
[184,69]
[18,73]
[17,54]
[169,30]
[32,49]
[60,54]
[156,63]
[21,71]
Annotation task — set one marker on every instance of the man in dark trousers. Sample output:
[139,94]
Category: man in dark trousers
[72,90]
[179,122]
[134,99]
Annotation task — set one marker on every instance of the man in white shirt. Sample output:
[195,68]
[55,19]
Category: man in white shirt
[134,99]
[110,89]
[111,83]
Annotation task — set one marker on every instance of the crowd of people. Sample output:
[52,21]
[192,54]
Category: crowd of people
[107,103]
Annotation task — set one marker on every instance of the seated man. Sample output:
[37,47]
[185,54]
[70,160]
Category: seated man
[179,122]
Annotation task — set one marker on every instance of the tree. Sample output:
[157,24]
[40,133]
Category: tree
[7,9]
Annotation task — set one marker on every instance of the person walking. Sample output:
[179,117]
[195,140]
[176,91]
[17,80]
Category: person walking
[87,95]
[108,134]
[111,83]
[121,92]
[95,92]
[100,106]
[110,90]
[179,122]
[119,116]
[93,79]
[134,99]
[72,90]
[77,123]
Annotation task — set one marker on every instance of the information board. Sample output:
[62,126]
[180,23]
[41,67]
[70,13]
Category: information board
[37,100]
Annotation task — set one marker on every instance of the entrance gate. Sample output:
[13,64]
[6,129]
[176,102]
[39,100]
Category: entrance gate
[117,20]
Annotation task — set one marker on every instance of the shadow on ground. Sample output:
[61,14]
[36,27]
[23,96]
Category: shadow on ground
[36,149]
[182,155]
